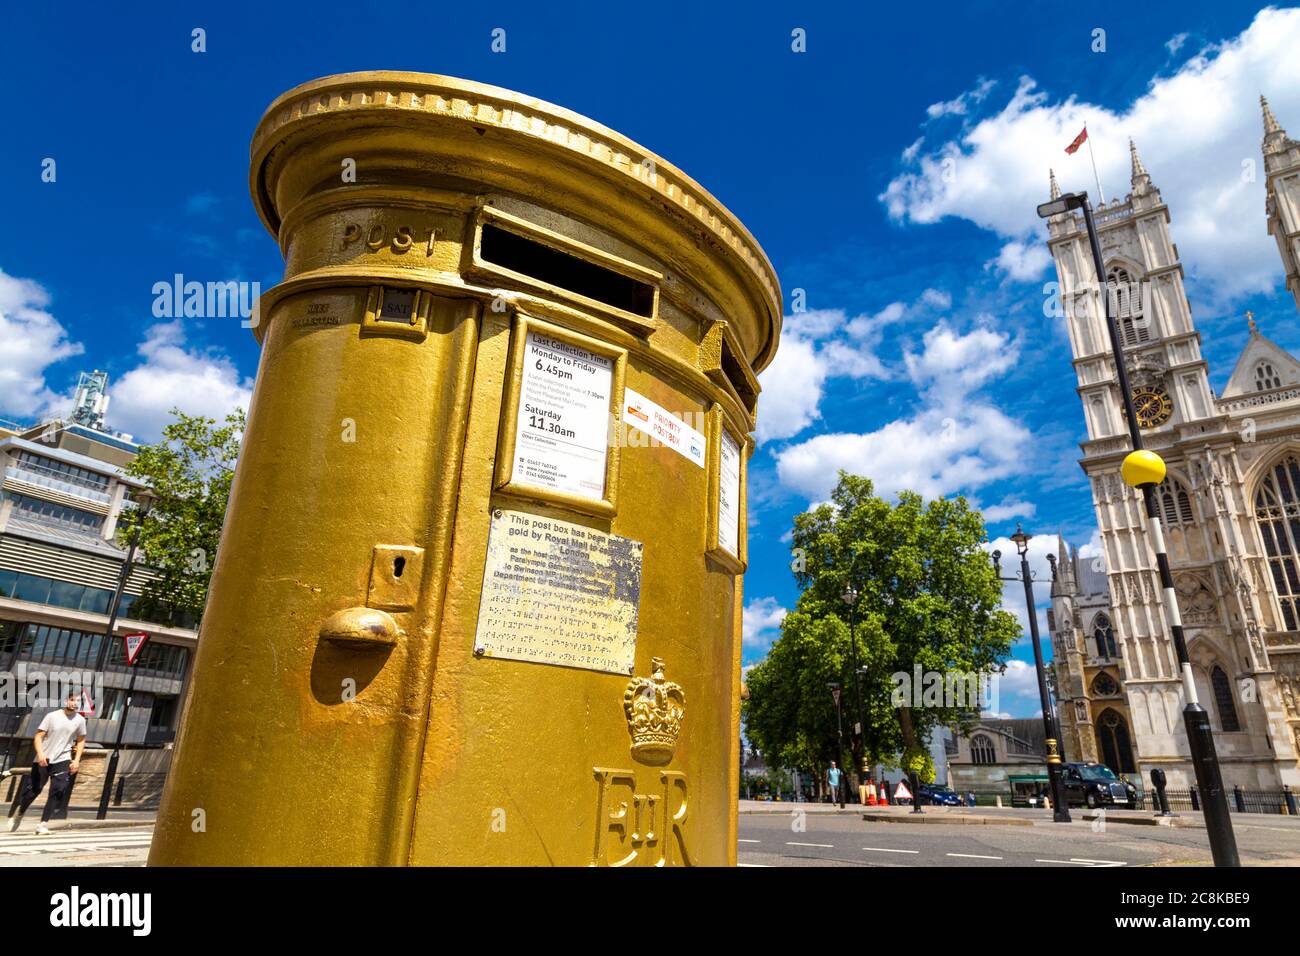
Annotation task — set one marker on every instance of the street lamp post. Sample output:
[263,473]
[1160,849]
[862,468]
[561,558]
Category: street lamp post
[1060,806]
[839,732]
[1144,470]
[850,597]
[144,500]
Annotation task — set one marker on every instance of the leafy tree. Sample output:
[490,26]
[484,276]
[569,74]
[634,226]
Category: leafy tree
[928,596]
[189,472]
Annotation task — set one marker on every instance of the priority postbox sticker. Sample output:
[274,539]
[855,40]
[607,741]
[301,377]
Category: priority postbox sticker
[663,427]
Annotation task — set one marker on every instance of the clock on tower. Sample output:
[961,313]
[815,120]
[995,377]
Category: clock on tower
[1153,405]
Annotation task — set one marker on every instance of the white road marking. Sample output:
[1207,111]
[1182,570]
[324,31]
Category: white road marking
[749,841]
[974,856]
[1077,862]
[881,849]
[825,846]
[763,865]
[65,841]
[1079,859]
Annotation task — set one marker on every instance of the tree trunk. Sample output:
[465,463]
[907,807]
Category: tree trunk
[910,744]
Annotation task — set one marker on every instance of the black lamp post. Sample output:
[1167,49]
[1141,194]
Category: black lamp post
[839,732]
[144,500]
[1060,807]
[1144,470]
[850,597]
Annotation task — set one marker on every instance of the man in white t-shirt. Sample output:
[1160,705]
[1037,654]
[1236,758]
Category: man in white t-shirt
[60,739]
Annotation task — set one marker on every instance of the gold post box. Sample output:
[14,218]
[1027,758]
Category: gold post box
[478,596]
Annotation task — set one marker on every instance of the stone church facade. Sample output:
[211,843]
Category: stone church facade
[1230,504]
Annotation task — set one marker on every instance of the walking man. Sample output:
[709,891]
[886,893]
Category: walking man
[60,739]
[833,782]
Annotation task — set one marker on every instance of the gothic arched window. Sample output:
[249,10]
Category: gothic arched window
[1277,512]
[1103,637]
[1223,700]
[1126,305]
[1175,504]
[1266,376]
[981,750]
[1116,746]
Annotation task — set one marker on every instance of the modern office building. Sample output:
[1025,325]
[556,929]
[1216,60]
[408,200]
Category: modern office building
[62,493]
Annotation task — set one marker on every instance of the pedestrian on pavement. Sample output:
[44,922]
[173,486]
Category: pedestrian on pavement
[833,781]
[59,742]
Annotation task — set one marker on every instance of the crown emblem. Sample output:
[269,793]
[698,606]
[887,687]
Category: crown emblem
[654,709]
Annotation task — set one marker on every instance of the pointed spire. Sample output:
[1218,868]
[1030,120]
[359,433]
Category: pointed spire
[1250,320]
[1056,190]
[1274,135]
[1141,179]
[1271,125]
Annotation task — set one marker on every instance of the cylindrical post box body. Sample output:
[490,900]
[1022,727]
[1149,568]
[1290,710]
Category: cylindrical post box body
[478,596]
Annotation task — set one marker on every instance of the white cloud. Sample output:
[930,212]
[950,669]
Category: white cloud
[1175,43]
[31,340]
[936,299]
[813,324]
[1093,549]
[761,619]
[172,376]
[1022,261]
[792,389]
[952,444]
[952,365]
[932,453]
[1009,509]
[958,106]
[1194,128]
[822,344]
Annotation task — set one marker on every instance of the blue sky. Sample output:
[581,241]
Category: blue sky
[925,360]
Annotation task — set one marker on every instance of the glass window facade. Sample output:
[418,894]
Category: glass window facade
[81,597]
[59,469]
[50,511]
[46,644]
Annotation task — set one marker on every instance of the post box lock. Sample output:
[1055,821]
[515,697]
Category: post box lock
[361,628]
[395,572]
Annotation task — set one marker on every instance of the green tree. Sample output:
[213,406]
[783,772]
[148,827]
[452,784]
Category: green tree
[189,471]
[928,596]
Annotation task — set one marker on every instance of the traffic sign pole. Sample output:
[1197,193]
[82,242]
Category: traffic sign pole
[134,643]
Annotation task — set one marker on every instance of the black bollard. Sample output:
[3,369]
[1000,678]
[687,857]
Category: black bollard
[1162,800]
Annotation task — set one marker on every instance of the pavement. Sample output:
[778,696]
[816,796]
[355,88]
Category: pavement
[778,834]
[111,845]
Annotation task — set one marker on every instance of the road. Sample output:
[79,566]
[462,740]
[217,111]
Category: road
[845,839]
[826,839]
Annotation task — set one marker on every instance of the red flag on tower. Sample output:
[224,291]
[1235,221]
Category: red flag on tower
[1078,141]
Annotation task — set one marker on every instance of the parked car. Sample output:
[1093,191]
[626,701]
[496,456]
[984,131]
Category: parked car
[1095,785]
[936,795]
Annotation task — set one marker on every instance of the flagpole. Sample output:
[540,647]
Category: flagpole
[1093,157]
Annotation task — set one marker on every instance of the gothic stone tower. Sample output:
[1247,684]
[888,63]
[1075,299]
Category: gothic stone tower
[1091,703]
[1230,457]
